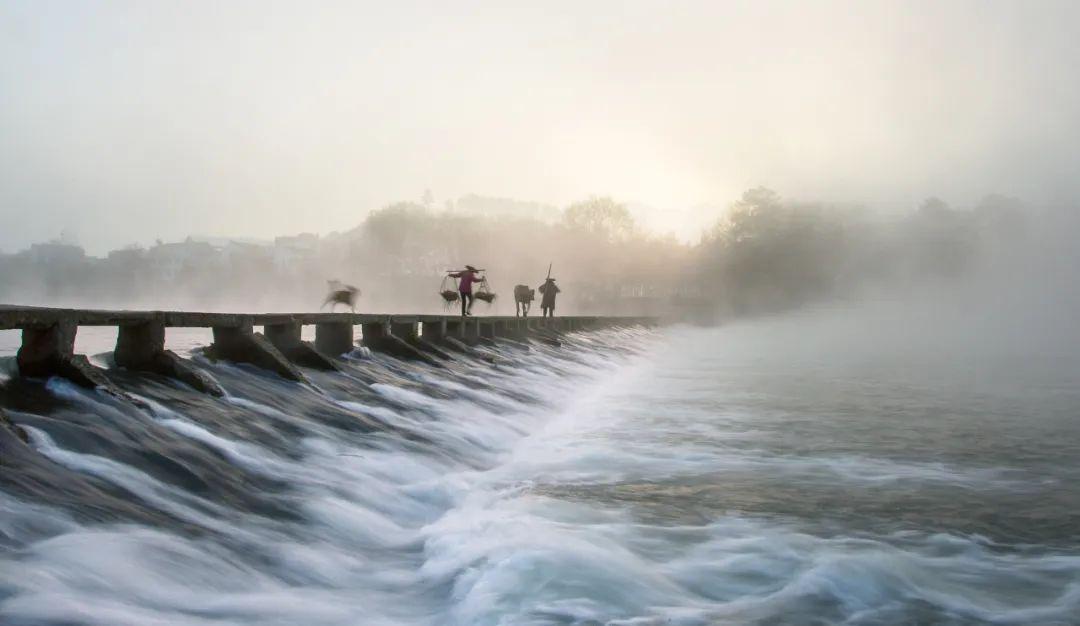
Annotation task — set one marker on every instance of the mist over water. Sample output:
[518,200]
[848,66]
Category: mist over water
[761,472]
[856,221]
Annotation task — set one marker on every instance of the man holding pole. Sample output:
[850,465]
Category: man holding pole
[548,289]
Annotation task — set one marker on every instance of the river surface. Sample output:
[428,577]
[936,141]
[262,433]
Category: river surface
[749,474]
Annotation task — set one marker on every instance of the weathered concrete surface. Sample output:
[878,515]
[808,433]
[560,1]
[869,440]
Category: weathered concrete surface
[286,338]
[457,344]
[405,330]
[518,330]
[138,344]
[486,331]
[433,348]
[545,334]
[50,351]
[284,335]
[334,338]
[17,317]
[378,338]
[410,334]
[434,330]
[141,347]
[49,338]
[168,363]
[243,346]
[465,330]
[43,350]
[443,336]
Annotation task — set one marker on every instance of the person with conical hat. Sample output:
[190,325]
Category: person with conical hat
[466,278]
[547,304]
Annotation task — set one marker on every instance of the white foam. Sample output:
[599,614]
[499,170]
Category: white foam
[502,511]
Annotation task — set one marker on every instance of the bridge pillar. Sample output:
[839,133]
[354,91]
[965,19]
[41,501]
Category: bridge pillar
[470,330]
[373,331]
[427,341]
[434,331]
[406,331]
[454,333]
[487,330]
[283,335]
[334,338]
[286,338]
[141,348]
[44,349]
[138,344]
[381,337]
[50,351]
[240,344]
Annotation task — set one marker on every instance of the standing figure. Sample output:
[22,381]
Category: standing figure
[547,304]
[466,278]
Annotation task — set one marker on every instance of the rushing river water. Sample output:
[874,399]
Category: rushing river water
[737,475]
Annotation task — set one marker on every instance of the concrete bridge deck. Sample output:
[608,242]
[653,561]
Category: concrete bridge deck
[48,339]
[19,317]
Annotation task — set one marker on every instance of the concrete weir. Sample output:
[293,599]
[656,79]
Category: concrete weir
[286,338]
[395,337]
[48,339]
[241,345]
[141,347]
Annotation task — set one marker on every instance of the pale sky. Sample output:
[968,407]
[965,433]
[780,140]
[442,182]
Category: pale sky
[123,122]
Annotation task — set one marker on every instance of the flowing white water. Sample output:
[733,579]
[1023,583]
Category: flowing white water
[695,478]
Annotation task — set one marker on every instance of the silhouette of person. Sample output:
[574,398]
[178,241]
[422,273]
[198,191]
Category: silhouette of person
[547,304]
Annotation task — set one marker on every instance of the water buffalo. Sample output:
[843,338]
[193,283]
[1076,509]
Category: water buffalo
[523,297]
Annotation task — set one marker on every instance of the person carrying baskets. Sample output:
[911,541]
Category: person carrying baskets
[466,278]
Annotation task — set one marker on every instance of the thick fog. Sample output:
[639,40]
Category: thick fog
[127,122]
[706,160]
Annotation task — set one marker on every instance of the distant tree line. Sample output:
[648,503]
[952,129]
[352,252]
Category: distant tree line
[770,255]
[764,255]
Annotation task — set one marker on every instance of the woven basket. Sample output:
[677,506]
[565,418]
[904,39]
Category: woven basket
[449,295]
[486,296]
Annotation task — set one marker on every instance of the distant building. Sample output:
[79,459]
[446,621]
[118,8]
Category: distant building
[127,256]
[168,259]
[55,253]
[290,253]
